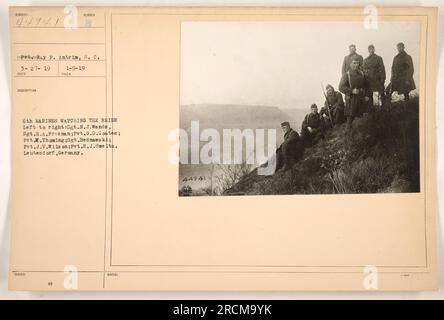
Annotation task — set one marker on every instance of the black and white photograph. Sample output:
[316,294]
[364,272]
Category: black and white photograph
[299,107]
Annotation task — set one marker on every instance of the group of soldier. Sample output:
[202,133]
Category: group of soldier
[360,80]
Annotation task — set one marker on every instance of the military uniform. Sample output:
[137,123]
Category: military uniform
[348,60]
[289,151]
[354,103]
[374,70]
[336,103]
[402,74]
[316,123]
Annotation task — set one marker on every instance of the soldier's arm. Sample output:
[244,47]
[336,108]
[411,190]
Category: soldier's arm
[344,66]
[339,100]
[287,141]
[332,106]
[293,138]
[344,87]
[411,69]
[326,105]
[304,123]
[382,69]
[361,63]
[393,76]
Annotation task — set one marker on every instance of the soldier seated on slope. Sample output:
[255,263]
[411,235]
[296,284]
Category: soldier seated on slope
[312,127]
[290,151]
[334,102]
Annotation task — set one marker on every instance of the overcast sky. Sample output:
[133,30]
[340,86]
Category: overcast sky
[279,63]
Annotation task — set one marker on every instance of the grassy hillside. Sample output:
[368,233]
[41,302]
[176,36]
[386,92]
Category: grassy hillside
[382,155]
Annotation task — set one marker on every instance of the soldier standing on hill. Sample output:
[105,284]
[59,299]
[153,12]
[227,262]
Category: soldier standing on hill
[402,72]
[374,70]
[354,86]
[312,127]
[334,101]
[349,58]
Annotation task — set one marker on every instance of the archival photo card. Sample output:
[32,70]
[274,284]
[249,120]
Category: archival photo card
[223,149]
